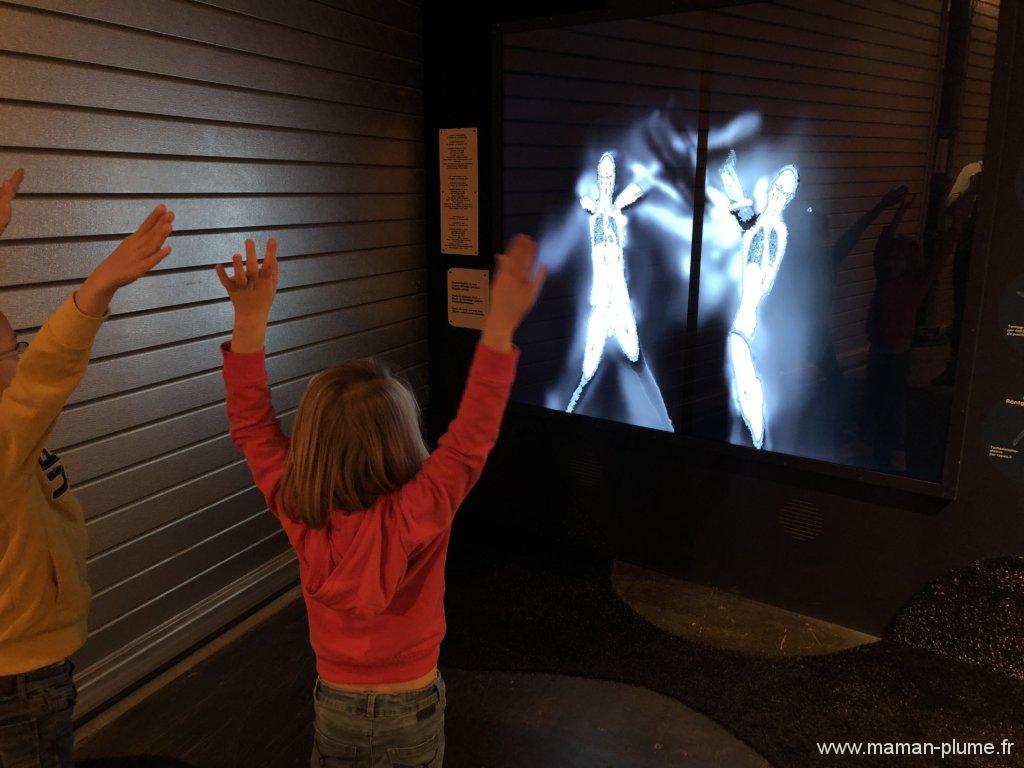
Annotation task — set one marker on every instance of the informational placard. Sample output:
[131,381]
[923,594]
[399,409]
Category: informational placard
[469,297]
[460,198]
[1003,436]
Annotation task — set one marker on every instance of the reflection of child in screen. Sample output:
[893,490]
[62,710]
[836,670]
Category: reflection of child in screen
[903,276]
[826,417]
[966,183]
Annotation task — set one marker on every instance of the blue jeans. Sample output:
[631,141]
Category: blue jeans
[35,719]
[379,730]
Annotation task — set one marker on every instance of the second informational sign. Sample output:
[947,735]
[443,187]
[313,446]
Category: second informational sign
[1003,433]
[469,297]
[460,197]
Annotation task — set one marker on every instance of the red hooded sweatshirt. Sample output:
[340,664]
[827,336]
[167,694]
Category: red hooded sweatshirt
[373,579]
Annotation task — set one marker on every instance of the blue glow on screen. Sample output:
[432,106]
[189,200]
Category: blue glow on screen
[623,240]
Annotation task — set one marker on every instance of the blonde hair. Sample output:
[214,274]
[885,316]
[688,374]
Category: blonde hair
[356,437]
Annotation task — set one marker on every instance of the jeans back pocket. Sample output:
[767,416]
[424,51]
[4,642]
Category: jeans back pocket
[331,753]
[423,755]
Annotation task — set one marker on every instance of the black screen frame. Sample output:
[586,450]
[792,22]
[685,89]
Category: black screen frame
[737,456]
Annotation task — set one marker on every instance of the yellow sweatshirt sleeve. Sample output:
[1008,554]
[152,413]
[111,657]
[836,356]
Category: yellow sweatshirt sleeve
[47,374]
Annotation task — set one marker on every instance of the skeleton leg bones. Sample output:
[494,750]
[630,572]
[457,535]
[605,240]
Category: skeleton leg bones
[597,335]
[748,390]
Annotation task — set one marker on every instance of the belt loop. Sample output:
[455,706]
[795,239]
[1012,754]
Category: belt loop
[22,681]
[369,704]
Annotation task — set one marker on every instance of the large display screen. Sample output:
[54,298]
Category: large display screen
[758,220]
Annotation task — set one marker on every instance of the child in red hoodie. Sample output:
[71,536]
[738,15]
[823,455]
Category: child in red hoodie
[368,511]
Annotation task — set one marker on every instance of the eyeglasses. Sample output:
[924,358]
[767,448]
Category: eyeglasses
[18,351]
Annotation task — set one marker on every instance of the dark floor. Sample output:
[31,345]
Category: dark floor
[530,611]
[510,720]
[494,719]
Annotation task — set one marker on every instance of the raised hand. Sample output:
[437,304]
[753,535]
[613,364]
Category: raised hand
[252,285]
[135,256]
[517,283]
[251,288]
[7,192]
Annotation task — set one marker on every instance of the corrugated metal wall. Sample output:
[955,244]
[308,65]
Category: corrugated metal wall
[248,117]
[855,84]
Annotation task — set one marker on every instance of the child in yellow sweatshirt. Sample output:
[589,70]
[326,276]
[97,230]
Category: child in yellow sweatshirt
[44,597]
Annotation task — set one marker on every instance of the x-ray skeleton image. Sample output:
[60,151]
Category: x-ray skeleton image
[764,245]
[611,313]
